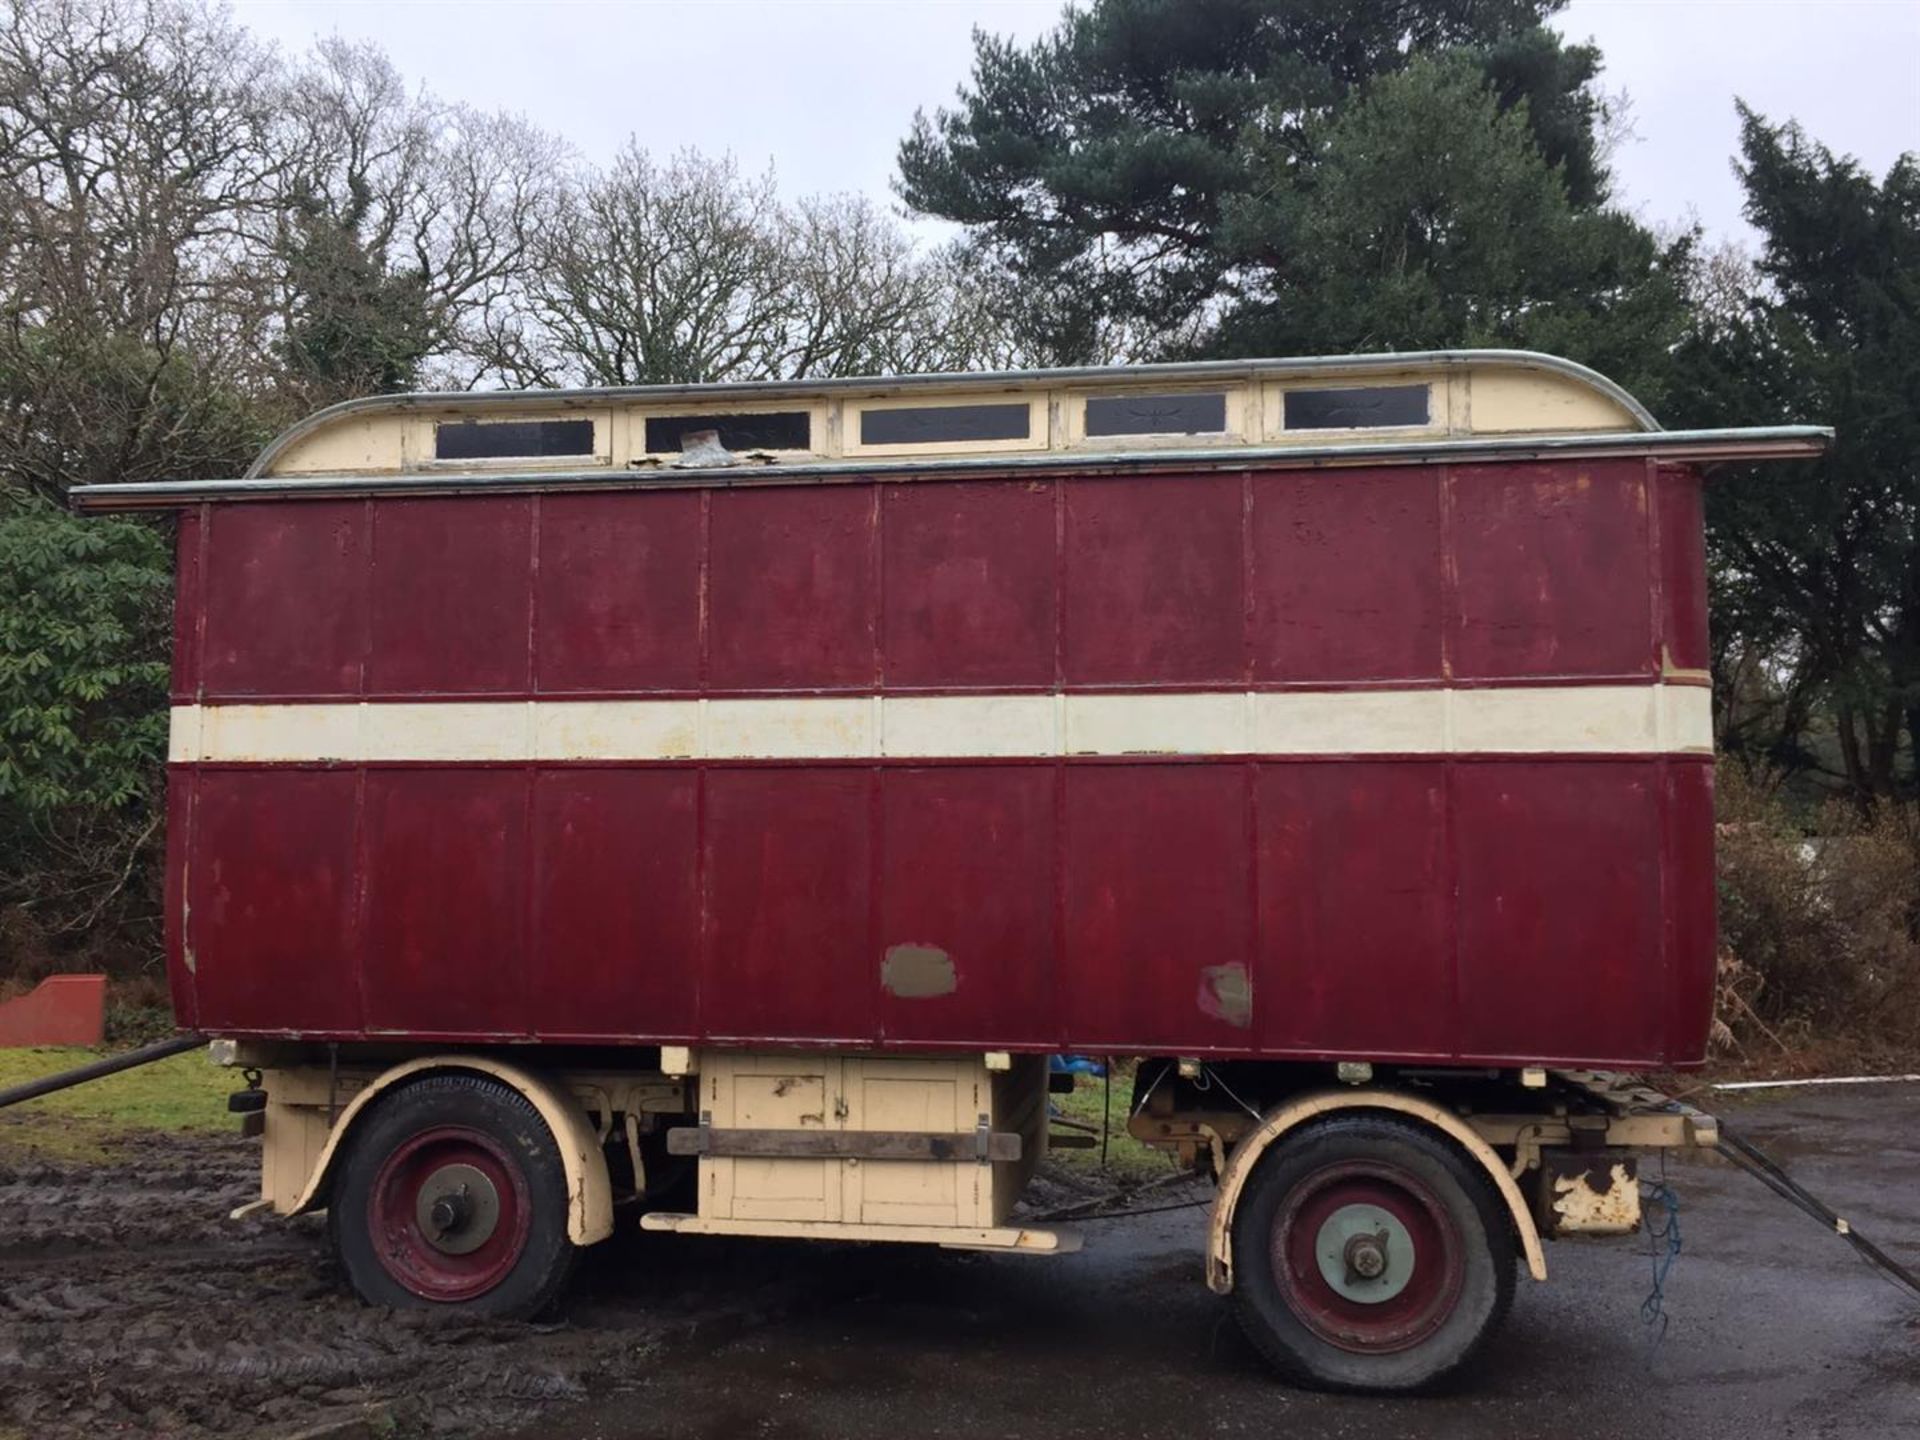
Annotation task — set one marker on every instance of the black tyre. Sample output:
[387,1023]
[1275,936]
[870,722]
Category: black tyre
[1369,1254]
[451,1194]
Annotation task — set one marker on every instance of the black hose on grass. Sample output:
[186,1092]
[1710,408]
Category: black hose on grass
[99,1069]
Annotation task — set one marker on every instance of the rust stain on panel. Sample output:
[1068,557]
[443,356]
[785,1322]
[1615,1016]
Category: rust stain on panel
[1226,993]
[917,972]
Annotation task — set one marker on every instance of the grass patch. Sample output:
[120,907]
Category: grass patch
[180,1093]
[1128,1160]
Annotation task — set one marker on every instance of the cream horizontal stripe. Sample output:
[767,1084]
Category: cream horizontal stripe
[1567,719]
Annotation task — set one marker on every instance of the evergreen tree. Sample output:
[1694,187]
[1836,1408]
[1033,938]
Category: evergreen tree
[1817,565]
[354,328]
[1228,176]
[1433,219]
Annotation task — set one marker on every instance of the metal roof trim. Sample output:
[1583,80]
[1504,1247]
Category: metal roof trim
[1704,446]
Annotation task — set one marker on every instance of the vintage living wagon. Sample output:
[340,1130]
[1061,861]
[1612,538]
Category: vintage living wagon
[571,789]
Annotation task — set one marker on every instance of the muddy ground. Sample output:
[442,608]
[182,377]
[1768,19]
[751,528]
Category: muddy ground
[129,1305]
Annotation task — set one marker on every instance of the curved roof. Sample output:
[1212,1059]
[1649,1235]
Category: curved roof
[1520,391]
[1341,409]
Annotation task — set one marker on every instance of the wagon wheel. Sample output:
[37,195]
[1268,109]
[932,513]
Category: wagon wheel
[453,1195]
[1370,1255]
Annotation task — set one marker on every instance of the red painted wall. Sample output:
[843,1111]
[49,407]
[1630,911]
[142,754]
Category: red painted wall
[1479,909]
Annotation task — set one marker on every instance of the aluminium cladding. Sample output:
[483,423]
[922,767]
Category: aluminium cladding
[1338,410]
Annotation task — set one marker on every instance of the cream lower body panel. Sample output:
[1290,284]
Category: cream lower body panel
[846,1094]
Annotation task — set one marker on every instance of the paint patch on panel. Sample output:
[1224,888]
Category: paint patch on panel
[917,972]
[1226,993]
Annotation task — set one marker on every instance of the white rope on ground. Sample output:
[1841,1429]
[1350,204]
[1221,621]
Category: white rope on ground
[1823,1080]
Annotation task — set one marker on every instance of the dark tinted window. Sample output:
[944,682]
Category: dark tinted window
[1356,407]
[775,430]
[1156,414]
[512,439]
[941,424]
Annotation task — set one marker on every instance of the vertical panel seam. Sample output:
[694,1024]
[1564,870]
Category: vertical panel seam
[1256,1017]
[359,901]
[369,518]
[877,587]
[1450,618]
[533,595]
[1057,976]
[523,948]
[702,884]
[1651,488]
[359,919]
[203,542]
[1450,860]
[703,583]
[876,746]
[189,825]
[870,961]
[523,941]
[1062,1033]
[1059,584]
[1668,851]
[1248,562]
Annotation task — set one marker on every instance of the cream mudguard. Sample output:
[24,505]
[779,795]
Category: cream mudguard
[1247,1153]
[589,1191]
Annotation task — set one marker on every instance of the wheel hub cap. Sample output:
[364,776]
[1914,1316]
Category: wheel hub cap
[458,1209]
[1365,1253]
[1367,1256]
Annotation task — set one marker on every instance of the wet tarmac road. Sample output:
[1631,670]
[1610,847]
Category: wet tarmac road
[1775,1330]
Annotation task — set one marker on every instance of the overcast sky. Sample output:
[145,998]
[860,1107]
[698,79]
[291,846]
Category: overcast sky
[824,89]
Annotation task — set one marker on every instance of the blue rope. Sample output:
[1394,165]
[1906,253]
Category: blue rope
[1663,1248]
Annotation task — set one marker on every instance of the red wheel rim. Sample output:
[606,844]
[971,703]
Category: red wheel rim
[449,1213]
[1343,1221]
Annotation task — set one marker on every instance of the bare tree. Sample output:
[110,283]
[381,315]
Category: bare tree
[399,226]
[691,271]
[133,138]
[658,273]
[135,153]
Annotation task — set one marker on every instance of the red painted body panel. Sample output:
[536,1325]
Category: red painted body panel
[988,832]
[444,866]
[286,609]
[1346,577]
[182,983]
[617,593]
[273,904]
[189,605]
[1479,909]
[790,581]
[1688,887]
[1558,884]
[1157,908]
[451,597]
[1356,947]
[1552,570]
[616,902]
[1155,581]
[1683,569]
[970,586]
[788,861]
